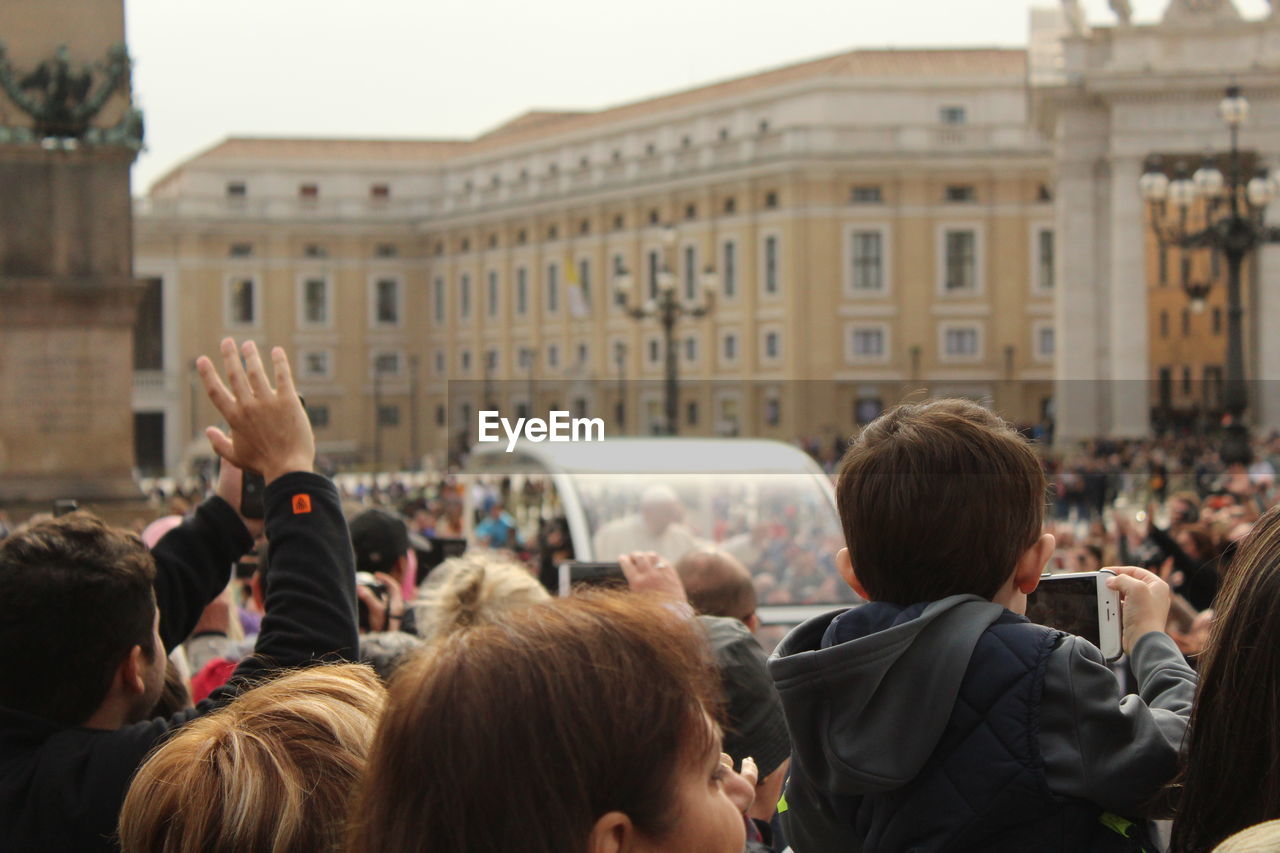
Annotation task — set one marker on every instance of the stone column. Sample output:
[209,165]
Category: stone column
[1262,324]
[1127,306]
[1080,335]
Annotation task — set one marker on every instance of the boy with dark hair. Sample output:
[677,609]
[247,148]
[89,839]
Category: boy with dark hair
[936,717]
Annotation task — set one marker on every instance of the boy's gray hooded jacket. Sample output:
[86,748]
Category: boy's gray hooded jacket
[958,725]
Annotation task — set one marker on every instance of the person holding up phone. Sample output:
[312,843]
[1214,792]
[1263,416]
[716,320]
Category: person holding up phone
[935,716]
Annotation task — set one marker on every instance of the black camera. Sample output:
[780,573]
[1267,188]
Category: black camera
[379,590]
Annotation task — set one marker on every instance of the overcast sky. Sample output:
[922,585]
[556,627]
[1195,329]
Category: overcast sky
[206,69]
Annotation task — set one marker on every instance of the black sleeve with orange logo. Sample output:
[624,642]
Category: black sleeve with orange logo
[311,591]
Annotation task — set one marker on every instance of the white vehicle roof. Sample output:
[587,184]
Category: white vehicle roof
[645,456]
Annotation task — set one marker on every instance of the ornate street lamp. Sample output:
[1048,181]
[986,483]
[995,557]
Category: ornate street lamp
[667,309]
[1228,211]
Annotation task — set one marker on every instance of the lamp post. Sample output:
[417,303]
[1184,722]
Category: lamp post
[667,308]
[1225,214]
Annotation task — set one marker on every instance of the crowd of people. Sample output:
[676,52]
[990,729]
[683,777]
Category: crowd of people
[331,677]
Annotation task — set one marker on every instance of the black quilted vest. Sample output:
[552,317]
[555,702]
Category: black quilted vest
[984,786]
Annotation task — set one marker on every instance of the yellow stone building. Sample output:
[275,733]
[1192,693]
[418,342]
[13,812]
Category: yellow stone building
[878,222]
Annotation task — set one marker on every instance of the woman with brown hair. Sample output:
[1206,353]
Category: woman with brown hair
[1231,776]
[272,771]
[580,725]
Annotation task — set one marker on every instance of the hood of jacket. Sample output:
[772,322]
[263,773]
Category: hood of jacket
[868,691]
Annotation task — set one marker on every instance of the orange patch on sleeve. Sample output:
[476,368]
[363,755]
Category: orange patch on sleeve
[301,504]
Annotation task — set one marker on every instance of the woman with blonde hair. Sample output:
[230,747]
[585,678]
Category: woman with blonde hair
[272,771]
[478,588]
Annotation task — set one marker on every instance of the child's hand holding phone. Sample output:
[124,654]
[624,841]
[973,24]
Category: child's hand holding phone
[1144,602]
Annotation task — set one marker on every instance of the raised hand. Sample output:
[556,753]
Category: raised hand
[269,430]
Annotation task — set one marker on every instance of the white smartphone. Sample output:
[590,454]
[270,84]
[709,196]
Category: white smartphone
[1079,603]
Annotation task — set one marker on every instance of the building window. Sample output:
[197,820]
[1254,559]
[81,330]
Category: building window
[868,261]
[387,296]
[318,415]
[315,302]
[438,294]
[655,351]
[464,360]
[691,413]
[493,241]
[553,233]
[867,409]
[465,245]
[691,349]
[522,291]
[770,200]
[386,364]
[491,360]
[237,189]
[652,266]
[690,273]
[553,288]
[1186,380]
[1044,342]
[584,227]
[148,329]
[241,250]
[492,301]
[314,250]
[1164,324]
[1186,322]
[959,193]
[960,342]
[619,222]
[690,211]
[385,250]
[522,237]
[553,356]
[464,296]
[866,194]
[730,205]
[316,364]
[388,415]
[1044,259]
[729,271]
[952,115]
[653,216]
[771,265]
[242,305]
[584,288]
[584,355]
[729,346]
[772,345]
[440,363]
[772,411]
[867,343]
[961,261]
[308,192]
[380,192]
[1217,321]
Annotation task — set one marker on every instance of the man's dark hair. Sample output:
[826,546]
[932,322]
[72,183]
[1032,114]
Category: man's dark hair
[938,499]
[77,598]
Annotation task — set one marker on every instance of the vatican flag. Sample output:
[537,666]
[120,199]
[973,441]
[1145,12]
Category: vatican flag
[579,301]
